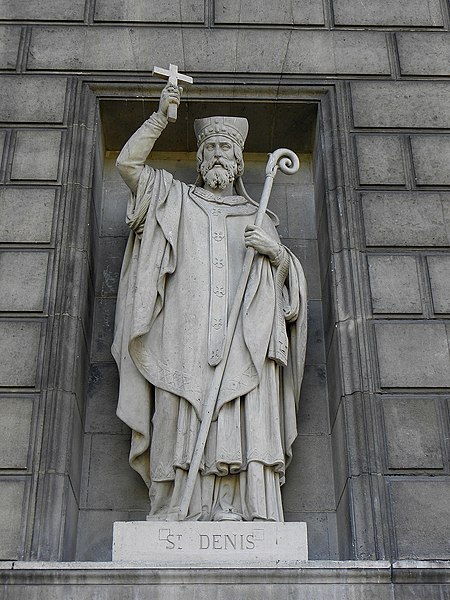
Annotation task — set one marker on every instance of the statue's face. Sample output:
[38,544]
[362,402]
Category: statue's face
[218,146]
[219,166]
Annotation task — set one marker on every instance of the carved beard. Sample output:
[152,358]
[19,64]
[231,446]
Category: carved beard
[218,172]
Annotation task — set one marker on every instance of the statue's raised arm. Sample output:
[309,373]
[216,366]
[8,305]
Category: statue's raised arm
[131,159]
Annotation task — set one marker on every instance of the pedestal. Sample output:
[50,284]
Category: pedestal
[210,543]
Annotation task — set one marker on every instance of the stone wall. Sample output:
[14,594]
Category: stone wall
[379,75]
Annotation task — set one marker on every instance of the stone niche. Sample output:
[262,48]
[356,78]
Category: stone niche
[315,491]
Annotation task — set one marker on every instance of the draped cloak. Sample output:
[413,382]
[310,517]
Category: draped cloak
[179,275]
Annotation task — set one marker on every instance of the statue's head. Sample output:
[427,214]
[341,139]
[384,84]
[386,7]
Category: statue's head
[220,144]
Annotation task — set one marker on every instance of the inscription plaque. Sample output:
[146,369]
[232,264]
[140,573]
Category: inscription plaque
[209,542]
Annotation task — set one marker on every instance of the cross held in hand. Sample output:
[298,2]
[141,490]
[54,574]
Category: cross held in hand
[174,77]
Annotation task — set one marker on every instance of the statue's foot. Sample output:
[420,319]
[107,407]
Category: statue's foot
[227,515]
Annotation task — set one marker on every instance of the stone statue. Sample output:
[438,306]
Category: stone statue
[179,276]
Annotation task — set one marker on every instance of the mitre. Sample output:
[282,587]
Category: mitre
[234,128]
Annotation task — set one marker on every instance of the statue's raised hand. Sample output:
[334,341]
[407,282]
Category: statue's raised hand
[171,94]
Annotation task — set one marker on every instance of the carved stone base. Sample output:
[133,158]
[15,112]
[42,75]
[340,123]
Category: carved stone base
[210,544]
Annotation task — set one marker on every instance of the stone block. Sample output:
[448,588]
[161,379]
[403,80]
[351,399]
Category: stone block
[70,525]
[12,524]
[210,544]
[75,452]
[19,365]
[413,355]
[26,214]
[394,284]
[431,157]
[172,11]
[103,331]
[309,581]
[335,376]
[113,210]
[340,52]
[214,50]
[53,511]
[108,262]
[113,484]
[406,219]
[349,437]
[409,104]
[339,444]
[103,392]
[65,426]
[35,10]
[346,549]
[15,429]
[73,376]
[439,271]
[412,433]
[2,143]
[420,518]
[9,46]
[321,528]
[104,48]
[306,251]
[220,46]
[36,155]
[380,160]
[313,406]
[328,309]
[413,13]
[315,346]
[301,218]
[80,373]
[284,12]
[95,534]
[24,277]
[83,291]
[424,53]
[309,478]
[32,99]
[424,591]
[319,178]
[361,504]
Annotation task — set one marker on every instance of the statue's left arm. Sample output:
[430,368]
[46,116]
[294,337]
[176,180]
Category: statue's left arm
[287,294]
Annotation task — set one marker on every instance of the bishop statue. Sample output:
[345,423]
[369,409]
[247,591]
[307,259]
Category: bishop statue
[180,276]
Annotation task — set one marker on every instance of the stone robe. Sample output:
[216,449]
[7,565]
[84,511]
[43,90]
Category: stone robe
[179,277]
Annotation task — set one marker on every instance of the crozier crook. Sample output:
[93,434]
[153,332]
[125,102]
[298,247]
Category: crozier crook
[288,162]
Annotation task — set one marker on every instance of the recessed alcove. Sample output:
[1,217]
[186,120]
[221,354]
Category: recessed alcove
[315,487]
